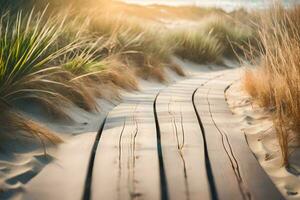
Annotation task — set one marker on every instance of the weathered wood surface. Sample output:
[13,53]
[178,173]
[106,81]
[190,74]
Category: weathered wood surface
[236,171]
[126,163]
[182,142]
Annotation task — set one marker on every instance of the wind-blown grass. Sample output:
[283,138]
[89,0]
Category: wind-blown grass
[46,60]
[196,46]
[15,126]
[276,81]
[27,71]
[141,46]
[211,40]
[231,35]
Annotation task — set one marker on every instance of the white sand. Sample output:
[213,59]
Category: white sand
[259,130]
[18,166]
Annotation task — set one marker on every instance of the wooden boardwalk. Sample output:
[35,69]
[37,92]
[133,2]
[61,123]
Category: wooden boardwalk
[178,143]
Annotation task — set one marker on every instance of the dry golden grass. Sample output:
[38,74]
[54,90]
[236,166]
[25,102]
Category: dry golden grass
[120,75]
[255,84]
[151,72]
[177,68]
[15,126]
[275,84]
[142,46]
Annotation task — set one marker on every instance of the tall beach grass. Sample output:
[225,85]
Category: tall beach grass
[28,70]
[42,61]
[212,40]
[275,83]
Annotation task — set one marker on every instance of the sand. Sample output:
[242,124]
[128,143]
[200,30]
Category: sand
[257,124]
[21,162]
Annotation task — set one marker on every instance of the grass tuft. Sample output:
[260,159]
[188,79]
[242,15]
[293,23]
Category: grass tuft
[276,81]
[196,46]
[28,49]
[211,40]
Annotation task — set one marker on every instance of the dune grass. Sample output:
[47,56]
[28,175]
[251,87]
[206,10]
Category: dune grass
[275,82]
[47,60]
[231,35]
[196,46]
[17,127]
[142,46]
[211,40]
[27,68]
[38,62]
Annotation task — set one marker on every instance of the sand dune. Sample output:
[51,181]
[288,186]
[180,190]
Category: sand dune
[20,162]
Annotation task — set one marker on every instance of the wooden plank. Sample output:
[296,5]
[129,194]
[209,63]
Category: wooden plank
[182,142]
[126,164]
[233,163]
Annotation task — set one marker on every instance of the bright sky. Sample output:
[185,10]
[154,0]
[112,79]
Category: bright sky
[225,4]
